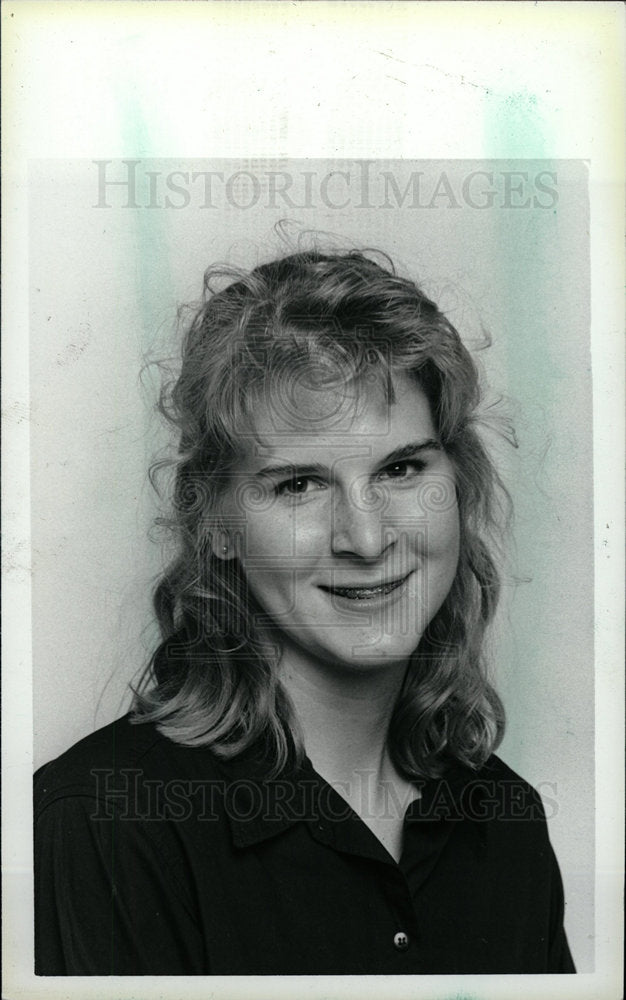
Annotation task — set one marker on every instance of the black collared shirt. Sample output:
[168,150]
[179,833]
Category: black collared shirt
[158,859]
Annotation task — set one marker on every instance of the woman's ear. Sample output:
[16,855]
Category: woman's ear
[222,546]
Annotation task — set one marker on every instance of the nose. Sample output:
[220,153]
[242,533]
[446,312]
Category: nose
[358,530]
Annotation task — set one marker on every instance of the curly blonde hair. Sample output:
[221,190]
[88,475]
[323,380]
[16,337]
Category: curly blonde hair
[213,679]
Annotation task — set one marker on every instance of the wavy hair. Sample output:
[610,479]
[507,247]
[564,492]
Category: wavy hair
[213,680]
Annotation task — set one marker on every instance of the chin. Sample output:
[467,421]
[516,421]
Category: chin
[364,656]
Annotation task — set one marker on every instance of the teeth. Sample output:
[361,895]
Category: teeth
[362,593]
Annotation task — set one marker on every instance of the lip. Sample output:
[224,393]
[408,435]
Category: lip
[361,593]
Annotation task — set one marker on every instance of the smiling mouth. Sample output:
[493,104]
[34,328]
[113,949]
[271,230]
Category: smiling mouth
[366,593]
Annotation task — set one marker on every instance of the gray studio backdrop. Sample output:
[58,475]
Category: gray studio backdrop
[116,246]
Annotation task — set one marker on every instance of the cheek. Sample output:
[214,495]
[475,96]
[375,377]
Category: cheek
[431,518]
[441,561]
[279,535]
[444,536]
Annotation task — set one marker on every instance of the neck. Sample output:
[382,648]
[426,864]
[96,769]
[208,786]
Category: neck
[343,715]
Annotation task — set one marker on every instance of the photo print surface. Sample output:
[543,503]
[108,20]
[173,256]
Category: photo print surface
[117,246]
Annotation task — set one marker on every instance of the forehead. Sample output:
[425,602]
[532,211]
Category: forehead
[363,411]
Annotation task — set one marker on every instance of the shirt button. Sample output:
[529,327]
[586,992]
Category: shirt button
[401,941]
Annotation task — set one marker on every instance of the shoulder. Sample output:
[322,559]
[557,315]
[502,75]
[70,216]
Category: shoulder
[117,757]
[498,770]
[518,798]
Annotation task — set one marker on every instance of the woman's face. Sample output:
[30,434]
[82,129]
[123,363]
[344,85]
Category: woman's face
[347,521]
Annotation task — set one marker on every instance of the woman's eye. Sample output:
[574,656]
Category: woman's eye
[402,470]
[297,487]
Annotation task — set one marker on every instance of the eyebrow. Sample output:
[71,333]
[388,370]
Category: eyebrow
[400,454]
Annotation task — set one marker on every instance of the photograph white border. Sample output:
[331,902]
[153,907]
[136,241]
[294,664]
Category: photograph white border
[61,63]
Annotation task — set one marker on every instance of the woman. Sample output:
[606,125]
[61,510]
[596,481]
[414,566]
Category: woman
[307,783]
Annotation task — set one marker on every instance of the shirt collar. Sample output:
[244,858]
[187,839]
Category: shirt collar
[258,809]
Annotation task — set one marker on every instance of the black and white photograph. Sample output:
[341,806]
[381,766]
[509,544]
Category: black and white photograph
[316,686]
